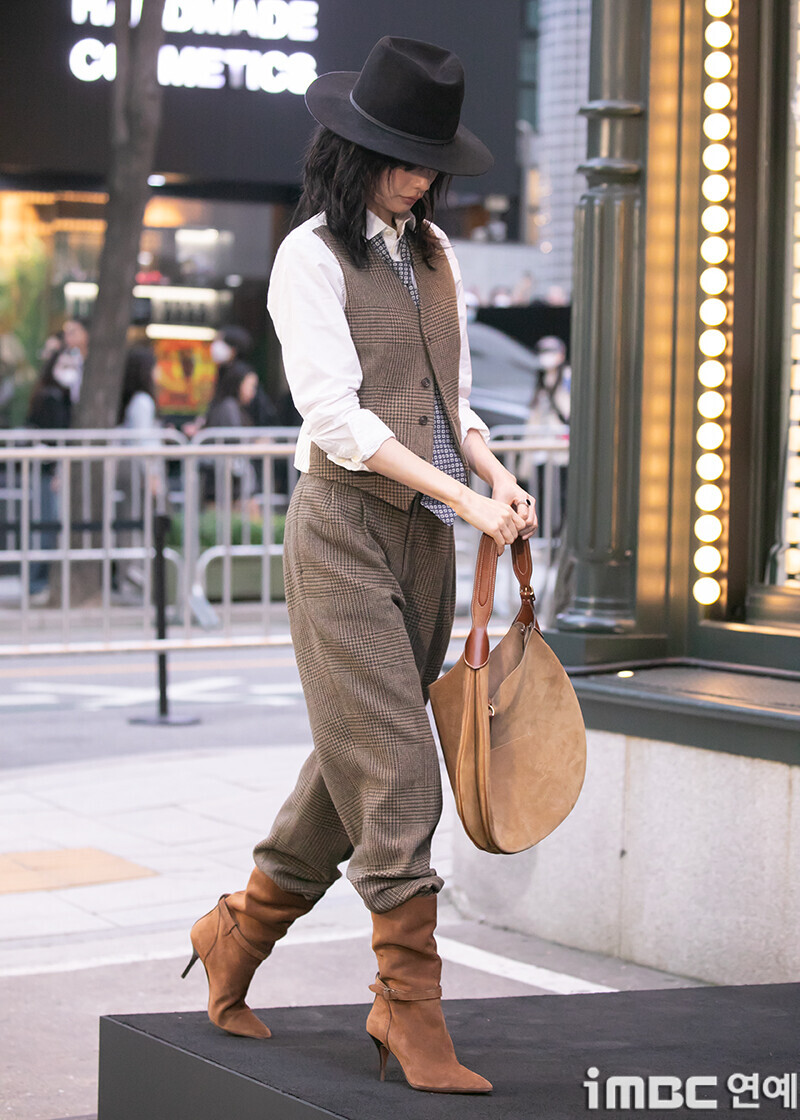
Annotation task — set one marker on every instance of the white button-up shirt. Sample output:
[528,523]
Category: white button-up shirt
[306,301]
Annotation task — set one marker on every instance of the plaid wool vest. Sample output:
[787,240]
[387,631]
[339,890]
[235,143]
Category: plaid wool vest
[403,352]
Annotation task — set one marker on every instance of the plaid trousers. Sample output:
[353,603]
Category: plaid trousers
[371,591]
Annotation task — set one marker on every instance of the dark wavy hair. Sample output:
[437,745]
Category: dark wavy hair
[140,363]
[339,178]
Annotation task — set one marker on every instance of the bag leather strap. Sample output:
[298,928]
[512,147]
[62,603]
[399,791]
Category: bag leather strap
[476,649]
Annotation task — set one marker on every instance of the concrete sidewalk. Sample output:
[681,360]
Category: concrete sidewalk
[105,862]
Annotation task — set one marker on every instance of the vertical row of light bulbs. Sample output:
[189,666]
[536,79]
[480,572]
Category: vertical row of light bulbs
[715,301]
[791,500]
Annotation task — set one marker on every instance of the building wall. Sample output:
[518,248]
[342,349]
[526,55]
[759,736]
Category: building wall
[561,142]
[677,858]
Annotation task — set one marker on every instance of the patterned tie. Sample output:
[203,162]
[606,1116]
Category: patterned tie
[445,454]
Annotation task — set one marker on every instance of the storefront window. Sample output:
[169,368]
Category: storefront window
[745,496]
[784,565]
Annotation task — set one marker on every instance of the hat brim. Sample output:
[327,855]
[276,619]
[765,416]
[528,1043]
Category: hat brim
[328,101]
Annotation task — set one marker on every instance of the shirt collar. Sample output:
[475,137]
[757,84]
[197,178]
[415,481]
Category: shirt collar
[376,225]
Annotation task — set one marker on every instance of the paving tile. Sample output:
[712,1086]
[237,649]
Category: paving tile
[64,867]
[41,914]
[63,829]
[12,840]
[161,786]
[182,912]
[137,895]
[18,801]
[250,811]
[171,825]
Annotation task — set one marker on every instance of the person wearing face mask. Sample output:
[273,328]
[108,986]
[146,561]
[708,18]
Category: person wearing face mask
[550,404]
[235,392]
[68,369]
[228,349]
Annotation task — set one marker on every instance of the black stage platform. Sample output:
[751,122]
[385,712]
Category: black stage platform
[535,1049]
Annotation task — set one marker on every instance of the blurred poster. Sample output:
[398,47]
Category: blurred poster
[185,376]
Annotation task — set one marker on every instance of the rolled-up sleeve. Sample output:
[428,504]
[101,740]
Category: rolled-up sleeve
[306,301]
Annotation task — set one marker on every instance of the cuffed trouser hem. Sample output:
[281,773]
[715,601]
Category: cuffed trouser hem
[380,898]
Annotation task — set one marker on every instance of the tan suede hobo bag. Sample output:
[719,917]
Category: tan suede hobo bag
[509,722]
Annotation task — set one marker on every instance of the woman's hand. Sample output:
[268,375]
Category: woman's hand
[506,490]
[497,518]
[504,486]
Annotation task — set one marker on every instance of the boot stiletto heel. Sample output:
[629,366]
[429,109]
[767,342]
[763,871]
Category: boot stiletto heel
[195,956]
[384,1055]
[406,1018]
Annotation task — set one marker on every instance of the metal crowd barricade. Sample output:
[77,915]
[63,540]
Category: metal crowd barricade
[89,535]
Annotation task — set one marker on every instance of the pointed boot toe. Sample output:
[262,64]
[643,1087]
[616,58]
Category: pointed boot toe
[406,1019]
[233,939]
[230,961]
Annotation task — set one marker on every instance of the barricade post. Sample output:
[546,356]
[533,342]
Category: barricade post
[161,525]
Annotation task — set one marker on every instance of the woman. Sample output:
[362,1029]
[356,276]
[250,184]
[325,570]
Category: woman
[229,350]
[136,478]
[367,301]
[137,405]
[235,390]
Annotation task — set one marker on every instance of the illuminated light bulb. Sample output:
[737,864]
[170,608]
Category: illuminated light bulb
[716,157]
[716,188]
[712,312]
[710,466]
[716,126]
[710,405]
[713,281]
[793,501]
[714,249]
[717,96]
[708,497]
[625,673]
[793,562]
[708,527]
[714,219]
[793,530]
[706,590]
[718,9]
[717,65]
[710,435]
[718,34]
[711,343]
[711,373]
[708,559]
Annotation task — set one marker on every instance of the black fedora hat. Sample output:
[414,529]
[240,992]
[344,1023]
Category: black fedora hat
[405,103]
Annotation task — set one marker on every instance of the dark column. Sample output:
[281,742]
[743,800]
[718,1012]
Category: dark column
[606,327]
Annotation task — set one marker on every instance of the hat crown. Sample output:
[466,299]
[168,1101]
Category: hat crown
[413,88]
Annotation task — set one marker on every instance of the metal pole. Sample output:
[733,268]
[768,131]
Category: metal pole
[606,328]
[161,524]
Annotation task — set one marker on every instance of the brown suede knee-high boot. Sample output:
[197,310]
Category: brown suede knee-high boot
[233,939]
[406,1018]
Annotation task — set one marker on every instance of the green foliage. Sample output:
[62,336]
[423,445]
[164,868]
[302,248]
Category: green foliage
[208,530]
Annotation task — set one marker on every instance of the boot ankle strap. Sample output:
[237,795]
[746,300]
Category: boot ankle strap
[235,932]
[380,988]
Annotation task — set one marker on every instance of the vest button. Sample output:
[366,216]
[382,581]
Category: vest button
[423,420]
[425,383]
